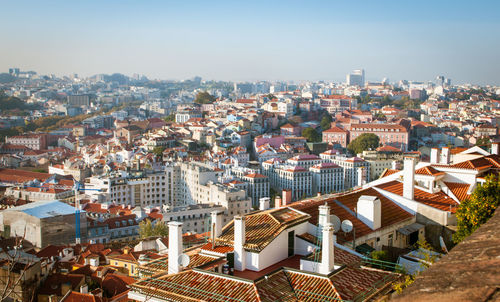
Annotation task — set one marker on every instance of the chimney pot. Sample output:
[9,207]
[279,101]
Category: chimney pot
[239,243]
[174,246]
[409,178]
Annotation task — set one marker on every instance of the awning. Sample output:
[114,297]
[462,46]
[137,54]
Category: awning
[407,230]
[364,249]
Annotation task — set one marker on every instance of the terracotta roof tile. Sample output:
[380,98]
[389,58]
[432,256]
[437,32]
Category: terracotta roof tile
[438,200]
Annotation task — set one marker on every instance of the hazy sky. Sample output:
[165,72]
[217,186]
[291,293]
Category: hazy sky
[251,40]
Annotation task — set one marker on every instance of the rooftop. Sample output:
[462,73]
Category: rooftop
[45,209]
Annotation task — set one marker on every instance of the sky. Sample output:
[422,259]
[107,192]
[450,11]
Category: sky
[255,40]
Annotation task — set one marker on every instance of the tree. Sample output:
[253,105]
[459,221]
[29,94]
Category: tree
[483,141]
[158,151]
[326,122]
[476,210]
[311,135]
[169,118]
[147,229]
[366,141]
[204,98]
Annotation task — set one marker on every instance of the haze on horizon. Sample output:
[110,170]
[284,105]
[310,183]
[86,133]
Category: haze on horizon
[255,40]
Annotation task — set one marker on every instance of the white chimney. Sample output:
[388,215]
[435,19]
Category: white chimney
[84,289]
[369,211]
[324,215]
[174,246]
[327,250]
[445,155]
[435,156]
[394,165]
[216,224]
[409,178]
[239,242]
[264,203]
[360,176]
[494,148]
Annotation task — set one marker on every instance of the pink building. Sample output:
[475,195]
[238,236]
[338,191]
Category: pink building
[389,134]
[291,130]
[274,141]
[336,135]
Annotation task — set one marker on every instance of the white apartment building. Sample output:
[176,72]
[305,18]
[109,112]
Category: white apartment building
[258,187]
[294,178]
[138,188]
[327,178]
[356,170]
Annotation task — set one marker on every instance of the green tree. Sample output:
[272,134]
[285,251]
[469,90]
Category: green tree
[311,135]
[158,151]
[169,118]
[365,141]
[326,122]
[147,229]
[476,210]
[483,141]
[204,98]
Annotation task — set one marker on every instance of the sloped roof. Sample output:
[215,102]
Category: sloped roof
[343,206]
[429,171]
[262,227]
[438,200]
[459,190]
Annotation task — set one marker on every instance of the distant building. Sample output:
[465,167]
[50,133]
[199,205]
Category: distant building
[32,141]
[389,134]
[79,100]
[356,78]
[43,223]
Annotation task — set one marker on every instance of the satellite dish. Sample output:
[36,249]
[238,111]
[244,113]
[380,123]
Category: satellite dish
[347,226]
[336,223]
[183,260]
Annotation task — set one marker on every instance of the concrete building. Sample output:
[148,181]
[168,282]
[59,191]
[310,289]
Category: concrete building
[78,100]
[43,223]
[32,141]
[356,78]
[327,178]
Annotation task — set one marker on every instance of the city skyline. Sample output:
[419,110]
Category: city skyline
[256,41]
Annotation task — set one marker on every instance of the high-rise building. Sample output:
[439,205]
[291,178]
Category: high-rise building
[356,78]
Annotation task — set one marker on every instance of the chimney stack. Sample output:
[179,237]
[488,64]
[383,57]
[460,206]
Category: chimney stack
[394,165]
[409,178]
[216,225]
[277,202]
[84,289]
[324,215]
[327,250]
[445,156]
[239,243]
[174,246]
[494,148]
[287,197]
[360,176]
[264,203]
[435,154]
[369,211]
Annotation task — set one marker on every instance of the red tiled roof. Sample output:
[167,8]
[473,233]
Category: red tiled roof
[428,170]
[438,200]
[388,172]
[391,213]
[255,175]
[262,227]
[459,190]
[79,297]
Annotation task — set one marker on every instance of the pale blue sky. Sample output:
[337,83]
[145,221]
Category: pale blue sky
[251,40]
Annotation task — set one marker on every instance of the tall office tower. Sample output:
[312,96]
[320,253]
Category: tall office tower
[356,78]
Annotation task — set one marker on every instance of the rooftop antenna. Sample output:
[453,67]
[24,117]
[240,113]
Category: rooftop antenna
[348,227]
[336,223]
[183,260]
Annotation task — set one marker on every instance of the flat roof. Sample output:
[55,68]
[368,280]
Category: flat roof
[45,209]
